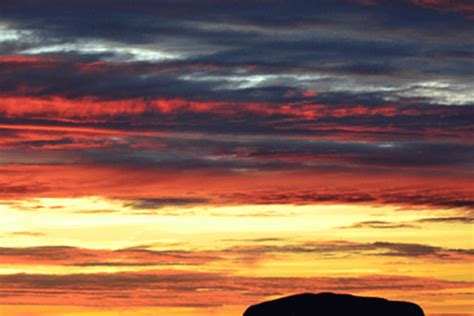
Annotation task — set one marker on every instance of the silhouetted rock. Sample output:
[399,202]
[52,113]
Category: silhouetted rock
[329,304]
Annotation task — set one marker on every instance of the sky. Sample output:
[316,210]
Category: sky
[194,157]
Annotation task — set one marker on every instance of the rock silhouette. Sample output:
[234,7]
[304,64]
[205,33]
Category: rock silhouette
[330,304]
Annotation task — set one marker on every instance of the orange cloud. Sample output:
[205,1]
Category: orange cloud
[184,288]
[71,256]
[252,251]
[305,186]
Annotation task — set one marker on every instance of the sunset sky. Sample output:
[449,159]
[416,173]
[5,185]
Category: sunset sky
[191,158]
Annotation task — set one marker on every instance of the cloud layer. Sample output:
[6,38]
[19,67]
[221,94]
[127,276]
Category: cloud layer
[249,148]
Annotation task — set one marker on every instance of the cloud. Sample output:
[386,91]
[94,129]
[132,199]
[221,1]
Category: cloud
[67,145]
[250,250]
[381,225]
[20,234]
[238,51]
[457,219]
[14,190]
[129,257]
[347,248]
[183,288]
[405,198]
[27,234]
[229,184]
[158,203]
[464,6]
[411,224]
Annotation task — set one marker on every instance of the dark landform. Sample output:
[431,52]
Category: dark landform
[330,304]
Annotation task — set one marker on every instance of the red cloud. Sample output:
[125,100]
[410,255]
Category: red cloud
[302,117]
[463,6]
[305,186]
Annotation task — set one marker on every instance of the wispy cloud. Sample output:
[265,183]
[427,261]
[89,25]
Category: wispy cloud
[183,288]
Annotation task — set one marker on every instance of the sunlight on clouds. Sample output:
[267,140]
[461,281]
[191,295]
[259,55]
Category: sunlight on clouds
[94,235]
[442,92]
[8,34]
[249,80]
[100,223]
[192,158]
[118,52]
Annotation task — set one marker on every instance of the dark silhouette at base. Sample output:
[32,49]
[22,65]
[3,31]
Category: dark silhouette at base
[330,304]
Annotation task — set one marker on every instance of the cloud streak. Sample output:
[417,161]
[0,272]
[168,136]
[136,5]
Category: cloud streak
[181,288]
[146,256]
